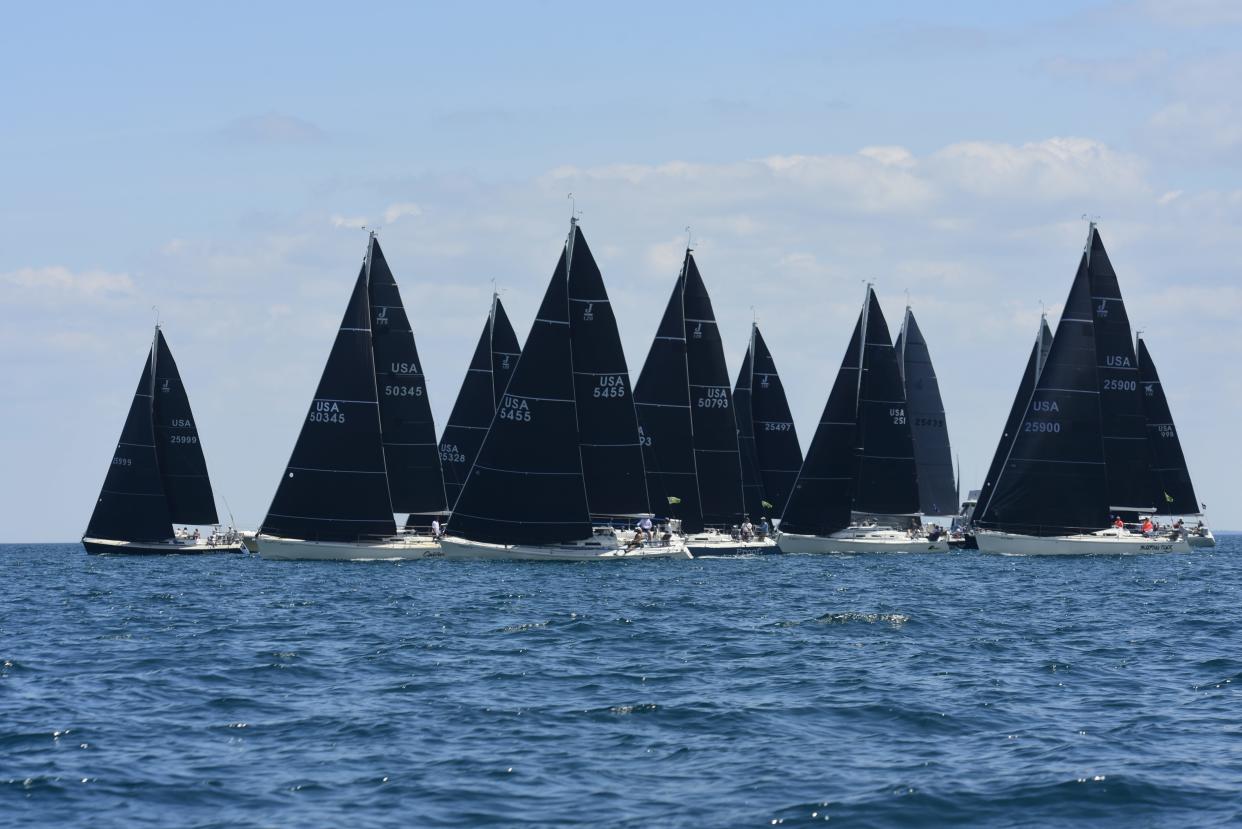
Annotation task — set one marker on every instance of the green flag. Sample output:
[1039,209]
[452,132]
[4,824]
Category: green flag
[673,499]
[1168,498]
[766,504]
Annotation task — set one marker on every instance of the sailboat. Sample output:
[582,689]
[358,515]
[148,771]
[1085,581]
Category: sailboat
[1174,494]
[857,490]
[765,429]
[481,391]
[562,455]
[977,504]
[1077,468]
[158,475]
[689,432]
[335,499]
[932,456]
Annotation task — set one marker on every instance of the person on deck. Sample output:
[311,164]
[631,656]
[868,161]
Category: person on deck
[645,526]
[765,529]
[1148,527]
[435,528]
[1118,523]
[748,529]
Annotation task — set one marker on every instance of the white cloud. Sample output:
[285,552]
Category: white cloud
[56,283]
[1056,168]
[349,222]
[396,211]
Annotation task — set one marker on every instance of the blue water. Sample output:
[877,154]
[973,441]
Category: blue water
[870,690]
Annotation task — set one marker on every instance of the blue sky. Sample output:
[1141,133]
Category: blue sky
[217,161]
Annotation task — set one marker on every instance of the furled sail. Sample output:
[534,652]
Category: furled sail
[411,454]
[526,485]
[776,439]
[932,455]
[131,505]
[1017,411]
[1175,494]
[612,457]
[335,487]
[494,358]
[183,469]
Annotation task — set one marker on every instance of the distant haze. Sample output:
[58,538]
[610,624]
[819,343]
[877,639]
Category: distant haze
[218,161]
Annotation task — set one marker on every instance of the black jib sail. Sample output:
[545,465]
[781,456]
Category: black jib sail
[1123,423]
[776,439]
[526,485]
[823,493]
[1054,478]
[717,460]
[932,455]
[1175,495]
[335,487]
[131,505]
[1034,365]
[753,498]
[612,457]
[887,475]
[411,454]
[183,469]
[494,358]
[662,400]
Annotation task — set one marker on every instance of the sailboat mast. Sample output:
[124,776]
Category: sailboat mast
[862,348]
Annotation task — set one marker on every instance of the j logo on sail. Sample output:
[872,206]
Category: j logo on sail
[587,313]
[382,317]
[698,331]
[164,387]
[1102,311]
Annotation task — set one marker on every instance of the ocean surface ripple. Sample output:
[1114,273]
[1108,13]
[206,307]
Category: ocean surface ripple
[228,691]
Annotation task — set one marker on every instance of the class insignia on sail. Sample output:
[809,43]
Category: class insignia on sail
[858,489]
[158,475]
[336,498]
[692,442]
[1077,478]
[562,456]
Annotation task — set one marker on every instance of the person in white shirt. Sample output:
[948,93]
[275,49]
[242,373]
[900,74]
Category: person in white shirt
[645,526]
[435,528]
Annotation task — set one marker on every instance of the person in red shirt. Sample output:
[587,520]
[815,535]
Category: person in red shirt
[1148,526]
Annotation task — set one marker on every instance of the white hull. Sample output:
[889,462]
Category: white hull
[862,540]
[715,543]
[1205,540]
[180,546]
[396,549]
[1103,543]
[593,549]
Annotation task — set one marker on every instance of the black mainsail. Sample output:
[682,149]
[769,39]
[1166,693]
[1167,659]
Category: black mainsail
[662,400]
[178,449]
[1034,365]
[526,485]
[753,498]
[493,362]
[132,505]
[823,492]
[411,454]
[932,455]
[1054,480]
[1175,494]
[612,456]
[776,439]
[335,487]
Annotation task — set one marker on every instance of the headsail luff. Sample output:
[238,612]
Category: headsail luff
[131,504]
[495,356]
[335,487]
[612,457]
[776,439]
[411,453]
[183,469]
[753,497]
[928,427]
[1034,364]
[887,475]
[526,485]
[662,400]
[1175,494]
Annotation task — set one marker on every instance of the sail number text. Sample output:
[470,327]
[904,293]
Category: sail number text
[515,409]
[183,440]
[1120,385]
[717,398]
[610,385]
[1041,426]
[403,391]
[326,411]
[769,426]
[898,415]
[449,453]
